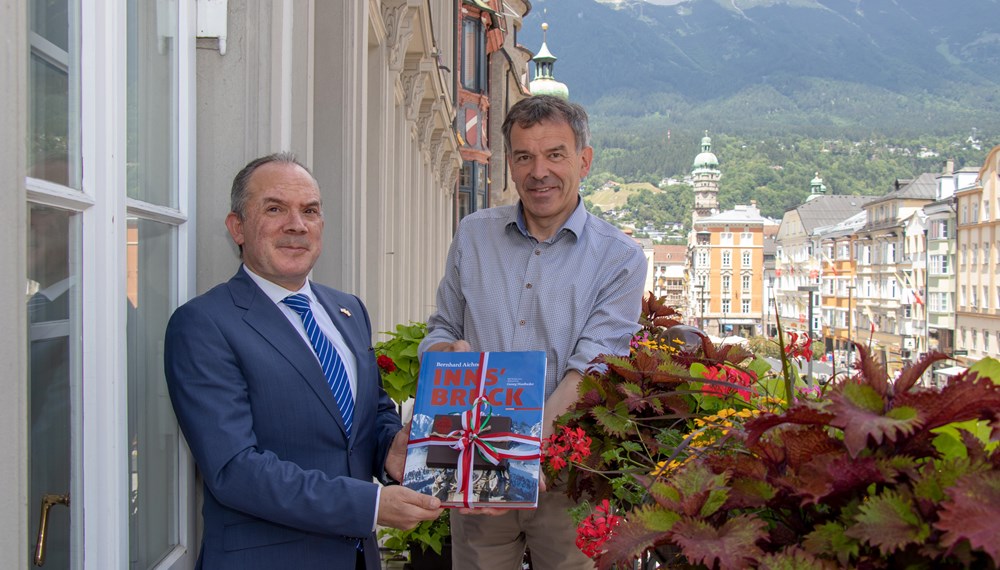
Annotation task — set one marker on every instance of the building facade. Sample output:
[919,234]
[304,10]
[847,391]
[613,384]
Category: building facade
[941,260]
[977,315]
[802,260]
[669,278]
[726,272]
[125,124]
[890,274]
[838,326]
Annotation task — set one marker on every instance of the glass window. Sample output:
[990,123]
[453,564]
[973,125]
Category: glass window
[746,306]
[727,258]
[746,258]
[702,258]
[472,188]
[54,369]
[151,103]
[151,170]
[153,435]
[473,55]
[54,93]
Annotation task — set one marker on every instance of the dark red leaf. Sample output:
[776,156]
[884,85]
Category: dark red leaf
[972,513]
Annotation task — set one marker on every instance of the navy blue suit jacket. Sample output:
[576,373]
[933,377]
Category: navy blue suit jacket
[284,486]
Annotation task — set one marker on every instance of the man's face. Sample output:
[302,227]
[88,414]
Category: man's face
[547,171]
[282,231]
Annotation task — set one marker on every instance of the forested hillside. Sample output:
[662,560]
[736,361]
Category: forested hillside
[774,171]
[862,92]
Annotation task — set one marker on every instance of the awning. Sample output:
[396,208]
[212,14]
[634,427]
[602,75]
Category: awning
[950,370]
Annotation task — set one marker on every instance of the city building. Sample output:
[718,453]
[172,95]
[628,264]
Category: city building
[768,322]
[799,258]
[839,326]
[125,123]
[941,272]
[491,71]
[669,274]
[726,271]
[890,271]
[977,314]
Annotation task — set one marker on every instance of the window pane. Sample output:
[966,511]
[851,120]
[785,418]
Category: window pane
[152,429]
[53,94]
[53,368]
[152,123]
[472,53]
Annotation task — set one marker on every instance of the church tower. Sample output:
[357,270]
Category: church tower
[545,82]
[816,188]
[706,174]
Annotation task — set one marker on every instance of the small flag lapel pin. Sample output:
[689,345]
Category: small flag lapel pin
[345,311]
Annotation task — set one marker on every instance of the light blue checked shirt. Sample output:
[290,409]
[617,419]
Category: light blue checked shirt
[575,296]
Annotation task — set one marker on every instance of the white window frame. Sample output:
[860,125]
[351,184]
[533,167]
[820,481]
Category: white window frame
[101,482]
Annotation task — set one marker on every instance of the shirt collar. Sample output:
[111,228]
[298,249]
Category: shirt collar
[275,292]
[577,220]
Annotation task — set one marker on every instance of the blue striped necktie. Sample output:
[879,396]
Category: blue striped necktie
[333,366]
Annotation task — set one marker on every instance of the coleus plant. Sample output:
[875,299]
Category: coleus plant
[634,412]
[875,473]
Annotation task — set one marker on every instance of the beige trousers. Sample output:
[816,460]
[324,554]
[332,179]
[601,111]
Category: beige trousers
[483,542]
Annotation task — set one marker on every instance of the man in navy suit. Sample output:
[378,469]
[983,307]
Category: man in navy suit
[288,474]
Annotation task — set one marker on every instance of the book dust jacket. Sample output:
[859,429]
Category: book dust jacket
[477,425]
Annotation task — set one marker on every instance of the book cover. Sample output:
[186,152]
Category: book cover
[476,431]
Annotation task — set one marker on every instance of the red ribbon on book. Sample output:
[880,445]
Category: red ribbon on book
[471,438]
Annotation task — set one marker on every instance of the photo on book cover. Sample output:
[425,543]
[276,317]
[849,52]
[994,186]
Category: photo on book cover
[476,429]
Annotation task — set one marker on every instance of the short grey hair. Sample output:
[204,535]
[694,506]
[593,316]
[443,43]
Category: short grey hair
[528,112]
[239,195]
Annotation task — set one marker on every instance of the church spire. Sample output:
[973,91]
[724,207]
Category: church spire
[705,174]
[545,82]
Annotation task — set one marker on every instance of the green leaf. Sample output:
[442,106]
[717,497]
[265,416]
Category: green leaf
[657,518]
[864,397]
[631,446]
[616,422]
[988,368]
[831,540]
[760,367]
[794,559]
[889,522]
[697,370]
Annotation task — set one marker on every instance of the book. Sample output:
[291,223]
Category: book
[475,437]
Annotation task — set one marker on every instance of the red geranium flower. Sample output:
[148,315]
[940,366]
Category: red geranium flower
[727,374]
[596,529]
[386,363]
[794,349]
[575,442]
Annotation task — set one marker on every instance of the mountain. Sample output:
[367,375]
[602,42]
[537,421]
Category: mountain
[770,66]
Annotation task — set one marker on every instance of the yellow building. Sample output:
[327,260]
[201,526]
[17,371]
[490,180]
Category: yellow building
[726,271]
[977,313]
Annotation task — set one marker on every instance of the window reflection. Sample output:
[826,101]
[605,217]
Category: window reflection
[53,349]
[152,429]
[53,109]
[151,95]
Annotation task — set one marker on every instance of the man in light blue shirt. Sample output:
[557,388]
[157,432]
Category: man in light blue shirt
[543,274]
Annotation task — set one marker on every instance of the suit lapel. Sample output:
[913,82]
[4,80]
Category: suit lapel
[344,318]
[264,317]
